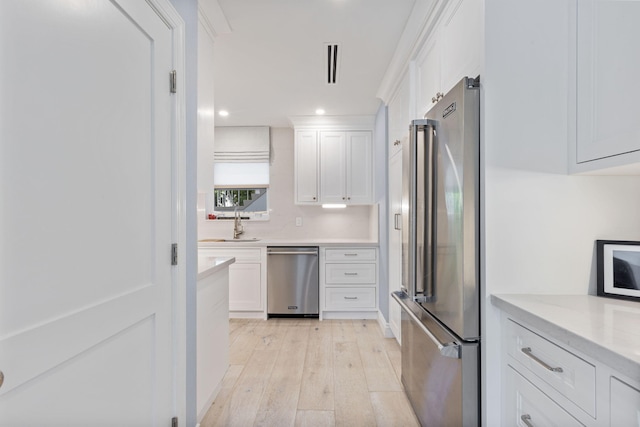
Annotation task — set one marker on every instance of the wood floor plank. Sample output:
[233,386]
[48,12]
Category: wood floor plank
[242,347]
[315,419]
[377,367]
[395,357]
[343,330]
[392,409]
[279,402]
[352,403]
[304,372]
[242,406]
[226,389]
[316,391]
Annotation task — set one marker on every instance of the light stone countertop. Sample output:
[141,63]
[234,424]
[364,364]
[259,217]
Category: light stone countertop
[212,243]
[605,329]
[210,265]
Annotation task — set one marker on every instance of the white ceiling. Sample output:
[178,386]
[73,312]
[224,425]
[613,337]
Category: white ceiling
[272,64]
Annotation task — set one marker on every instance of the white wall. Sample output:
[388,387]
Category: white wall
[540,223]
[354,222]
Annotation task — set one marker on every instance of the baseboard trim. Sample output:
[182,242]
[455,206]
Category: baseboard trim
[384,326]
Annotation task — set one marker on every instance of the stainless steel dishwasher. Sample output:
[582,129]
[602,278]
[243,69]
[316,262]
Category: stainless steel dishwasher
[292,281]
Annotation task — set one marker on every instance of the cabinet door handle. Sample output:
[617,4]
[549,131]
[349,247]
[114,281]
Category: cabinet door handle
[350,297]
[396,221]
[527,351]
[526,418]
[350,274]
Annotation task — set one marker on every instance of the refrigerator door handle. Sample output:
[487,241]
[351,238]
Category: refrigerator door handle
[449,349]
[430,220]
[397,219]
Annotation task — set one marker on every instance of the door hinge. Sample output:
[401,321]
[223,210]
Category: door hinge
[174,254]
[174,422]
[173,85]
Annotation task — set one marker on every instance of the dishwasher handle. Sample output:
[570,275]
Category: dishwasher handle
[292,253]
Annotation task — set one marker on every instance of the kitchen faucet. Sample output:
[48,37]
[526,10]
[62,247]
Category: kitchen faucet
[238,229]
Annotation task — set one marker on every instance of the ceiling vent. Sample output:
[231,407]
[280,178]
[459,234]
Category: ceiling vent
[332,55]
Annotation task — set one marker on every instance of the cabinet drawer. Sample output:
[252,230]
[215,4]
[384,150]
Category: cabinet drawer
[345,298]
[525,403]
[350,273]
[357,254]
[570,375]
[240,254]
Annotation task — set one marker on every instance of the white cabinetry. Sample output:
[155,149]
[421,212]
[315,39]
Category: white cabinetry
[547,383]
[607,107]
[247,280]
[625,404]
[395,240]
[399,116]
[333,166]
[306,167]
[349,282]
[212,339]
[346,167]
[451,51]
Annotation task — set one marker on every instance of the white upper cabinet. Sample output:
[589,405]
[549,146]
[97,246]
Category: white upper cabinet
[460,40]
[607,107]
[451,51]
[346,167]
[332,167]
[306,167]
[359,168]
[399,116]
[333,160]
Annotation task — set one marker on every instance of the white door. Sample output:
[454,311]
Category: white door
[86,214]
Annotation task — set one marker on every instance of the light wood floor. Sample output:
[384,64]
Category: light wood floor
[303,372]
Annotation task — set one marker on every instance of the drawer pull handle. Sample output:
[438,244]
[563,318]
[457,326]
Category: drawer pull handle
[350,297]
[526,418]
[529,353]
[350,274]
[350,254]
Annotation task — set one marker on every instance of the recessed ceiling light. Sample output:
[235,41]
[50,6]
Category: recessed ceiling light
[223,113]
[319,111]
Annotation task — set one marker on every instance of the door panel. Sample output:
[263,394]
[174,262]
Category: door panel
[86,213]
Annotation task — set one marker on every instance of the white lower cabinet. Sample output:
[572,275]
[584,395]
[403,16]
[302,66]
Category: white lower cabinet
[549,383]
[348,282]
[350,298]
[245,291]
[527,406]
[247,279]
[625,404]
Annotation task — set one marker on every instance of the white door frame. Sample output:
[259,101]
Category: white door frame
[174,21]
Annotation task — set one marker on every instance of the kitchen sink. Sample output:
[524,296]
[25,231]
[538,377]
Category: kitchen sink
[229,240]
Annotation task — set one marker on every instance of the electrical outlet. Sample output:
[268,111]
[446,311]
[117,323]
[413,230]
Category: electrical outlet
[298,221]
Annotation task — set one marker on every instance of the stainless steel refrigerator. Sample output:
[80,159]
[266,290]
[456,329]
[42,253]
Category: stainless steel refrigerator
[440,295]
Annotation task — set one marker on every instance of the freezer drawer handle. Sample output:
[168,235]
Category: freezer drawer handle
[529,353]
[526,419]
[350,274]
[350,297]
[293,253]
[448,349]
